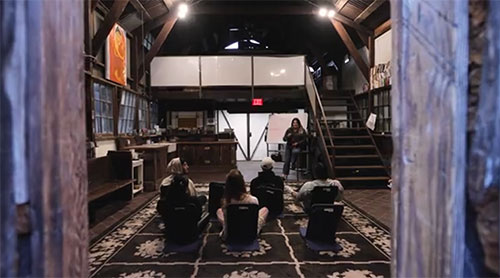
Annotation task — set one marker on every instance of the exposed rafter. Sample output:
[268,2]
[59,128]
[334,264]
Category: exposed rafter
[369,10]
[340,4]
[110,20]
[159,40]
[352,49]
[140,8]
[384,27]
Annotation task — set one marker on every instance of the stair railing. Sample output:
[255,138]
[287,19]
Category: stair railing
[316,104]
[370,133]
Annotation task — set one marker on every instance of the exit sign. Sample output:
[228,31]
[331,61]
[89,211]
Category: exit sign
[257,102]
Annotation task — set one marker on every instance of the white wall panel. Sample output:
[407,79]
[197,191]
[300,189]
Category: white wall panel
[383,48]
[279,71]
[175,71]
[226,71]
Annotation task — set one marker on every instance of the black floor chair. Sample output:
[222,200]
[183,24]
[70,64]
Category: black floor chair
[215,194]
[322,226]
[324,195]
[271,198]
[242,227]
[182,224]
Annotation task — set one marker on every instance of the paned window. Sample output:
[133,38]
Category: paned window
[143,112]
[103,109]
[153,114]
[127,113]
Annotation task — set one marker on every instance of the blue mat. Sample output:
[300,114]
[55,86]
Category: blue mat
[182,248]
[243,247]
[318,245]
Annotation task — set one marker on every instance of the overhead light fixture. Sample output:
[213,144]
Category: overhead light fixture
[323,12]
[331,13]
[182,10]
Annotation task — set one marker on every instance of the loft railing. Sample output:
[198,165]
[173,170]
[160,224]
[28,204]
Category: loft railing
[227,71]
[319,119]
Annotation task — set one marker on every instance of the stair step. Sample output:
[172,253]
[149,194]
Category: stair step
[347,156]
[340,137]
[335,98]
[360,167]
[352,146]
[347,128]
[344,120]
[379,178]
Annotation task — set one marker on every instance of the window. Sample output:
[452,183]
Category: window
[103,109]
[148,41]
[143,112]
[153,114]
[127,113]
[382,108]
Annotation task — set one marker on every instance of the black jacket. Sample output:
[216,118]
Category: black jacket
[298,137]
[266,177]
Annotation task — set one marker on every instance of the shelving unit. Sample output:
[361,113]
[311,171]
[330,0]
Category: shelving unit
[138,176]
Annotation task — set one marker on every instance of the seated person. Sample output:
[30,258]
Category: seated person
[178,166]
[266,177]
[178,194]
[235,193]
[305,193]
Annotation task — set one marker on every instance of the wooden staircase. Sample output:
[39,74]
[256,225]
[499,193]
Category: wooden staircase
[356,160]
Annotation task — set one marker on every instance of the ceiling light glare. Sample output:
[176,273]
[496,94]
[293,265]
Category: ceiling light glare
[331,13]
[254,41]
[282,71]
[323,12]
[182,10]
[311,69]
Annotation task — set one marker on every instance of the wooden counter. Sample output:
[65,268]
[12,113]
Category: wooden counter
[210,155]
[156,157]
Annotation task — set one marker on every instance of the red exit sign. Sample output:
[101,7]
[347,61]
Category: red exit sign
[257,102]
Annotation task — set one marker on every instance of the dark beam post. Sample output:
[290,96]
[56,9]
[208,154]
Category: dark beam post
[110,20]
[160,39]
[352,48]
[369,10]
[429,98]
[43,128]
[384,27]
[140,8]
[371,49]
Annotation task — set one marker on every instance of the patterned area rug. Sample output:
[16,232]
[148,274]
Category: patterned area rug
[134,248]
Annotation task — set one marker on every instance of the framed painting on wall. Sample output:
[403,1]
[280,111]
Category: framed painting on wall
[116,55]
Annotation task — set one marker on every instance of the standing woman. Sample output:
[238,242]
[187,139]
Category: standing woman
[295,137]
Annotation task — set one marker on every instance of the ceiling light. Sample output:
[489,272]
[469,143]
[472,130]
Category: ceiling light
[331,13]
[182,10]
[323,12]
[347,59]
[254,41]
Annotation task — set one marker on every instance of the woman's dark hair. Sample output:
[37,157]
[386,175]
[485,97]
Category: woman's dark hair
[298,122]
[320,171]
[235,186]
[178,189]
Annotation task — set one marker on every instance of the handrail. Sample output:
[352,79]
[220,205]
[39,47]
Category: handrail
[370,134]
[317,99]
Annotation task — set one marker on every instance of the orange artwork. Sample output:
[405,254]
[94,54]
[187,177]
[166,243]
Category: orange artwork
[116,50]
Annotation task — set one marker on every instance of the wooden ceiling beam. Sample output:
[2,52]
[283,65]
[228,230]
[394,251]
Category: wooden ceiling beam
[382,28]
[273,10]
[369,10]
[352,49]
[363,37]
[108,23]
[157,44]
[340,4]
[140,8]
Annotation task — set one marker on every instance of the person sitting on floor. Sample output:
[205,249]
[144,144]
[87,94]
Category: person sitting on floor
[178,166]
[235,193]
[305,193]
[266,177]
[178,194]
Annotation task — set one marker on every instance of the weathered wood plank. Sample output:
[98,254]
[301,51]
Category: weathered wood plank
[429,93]
[484,152]
[352,48]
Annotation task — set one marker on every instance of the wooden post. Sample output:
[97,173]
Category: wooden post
[484,153]
[429,93]
[42,64]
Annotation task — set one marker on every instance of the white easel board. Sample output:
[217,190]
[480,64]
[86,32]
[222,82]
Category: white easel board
[278,124]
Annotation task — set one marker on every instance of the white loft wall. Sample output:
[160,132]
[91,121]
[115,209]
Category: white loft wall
[175,71]
[226,71]
[352,78]
[103,147]
[383,48]
[279,71]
